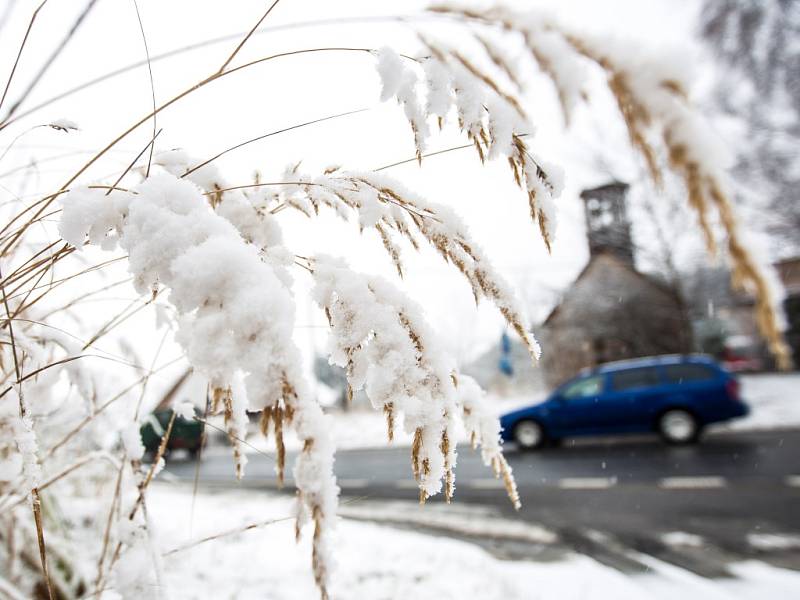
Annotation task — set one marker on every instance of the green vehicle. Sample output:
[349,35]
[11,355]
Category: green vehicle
[186,434]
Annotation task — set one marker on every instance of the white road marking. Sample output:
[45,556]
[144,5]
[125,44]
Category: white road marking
[793,480]
[692,483]
[587,483]
[485,484]
[353,483]
[774,541]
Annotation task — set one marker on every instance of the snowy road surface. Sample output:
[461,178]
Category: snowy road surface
[621,502]
[435,562]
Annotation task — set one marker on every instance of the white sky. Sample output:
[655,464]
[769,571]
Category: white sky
[289,91]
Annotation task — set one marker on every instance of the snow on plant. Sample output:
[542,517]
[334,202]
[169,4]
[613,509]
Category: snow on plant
[380,202]
[382,340]
[236,318]
[224,284]
[493,120]
[217,253]
[484,431]
[387,349]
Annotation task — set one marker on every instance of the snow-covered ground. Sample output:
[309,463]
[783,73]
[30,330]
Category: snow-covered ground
[378,562]
[774,399]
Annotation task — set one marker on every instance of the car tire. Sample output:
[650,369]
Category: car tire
[529,435]
[678,426]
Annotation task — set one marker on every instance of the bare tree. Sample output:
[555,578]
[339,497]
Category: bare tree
[759,82]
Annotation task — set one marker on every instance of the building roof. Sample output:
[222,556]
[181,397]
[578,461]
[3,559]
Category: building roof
[604,187]
[650,281]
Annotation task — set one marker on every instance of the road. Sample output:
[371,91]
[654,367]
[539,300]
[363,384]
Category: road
[737,495]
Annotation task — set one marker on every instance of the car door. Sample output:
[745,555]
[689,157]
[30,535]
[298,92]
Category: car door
[632,399]
[577,406]
[697,387]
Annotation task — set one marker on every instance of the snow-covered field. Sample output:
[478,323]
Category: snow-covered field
[774,399]
[376,562]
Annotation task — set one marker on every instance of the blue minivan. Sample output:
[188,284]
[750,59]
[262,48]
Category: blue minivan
[675,396]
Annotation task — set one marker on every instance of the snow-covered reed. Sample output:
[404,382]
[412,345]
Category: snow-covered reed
[211,256]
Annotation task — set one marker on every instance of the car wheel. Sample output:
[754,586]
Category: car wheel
[529,435]
[678,426]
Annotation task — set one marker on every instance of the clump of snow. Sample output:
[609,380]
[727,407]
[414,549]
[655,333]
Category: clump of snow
[179,163]
[94,213]
[400,80]
[391,70]
[439,83]
[185,410]
[132,441]
[65,125]
[25,438]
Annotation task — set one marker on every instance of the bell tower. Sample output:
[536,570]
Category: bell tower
[607,224]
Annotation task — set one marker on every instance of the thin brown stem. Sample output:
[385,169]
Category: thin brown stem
[152,88]
[119,319]
[151,144]
[104,406]
[416,159]
[11,335]
[199,45]
[247,37]
[43,69]
[37,517]
[56,363]
[19,53]
[107,531]
[270,134]
[169,103]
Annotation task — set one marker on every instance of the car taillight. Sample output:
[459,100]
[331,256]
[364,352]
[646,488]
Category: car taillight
[732,387]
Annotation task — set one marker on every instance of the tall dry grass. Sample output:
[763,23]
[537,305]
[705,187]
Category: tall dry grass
[33,271]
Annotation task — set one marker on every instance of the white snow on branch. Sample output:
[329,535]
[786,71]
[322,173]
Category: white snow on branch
[236,316]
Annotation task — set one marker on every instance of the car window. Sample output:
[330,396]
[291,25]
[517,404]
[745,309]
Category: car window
[687,373]
[591,386]
[634,378]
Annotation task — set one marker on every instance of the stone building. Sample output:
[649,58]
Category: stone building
[611,311]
